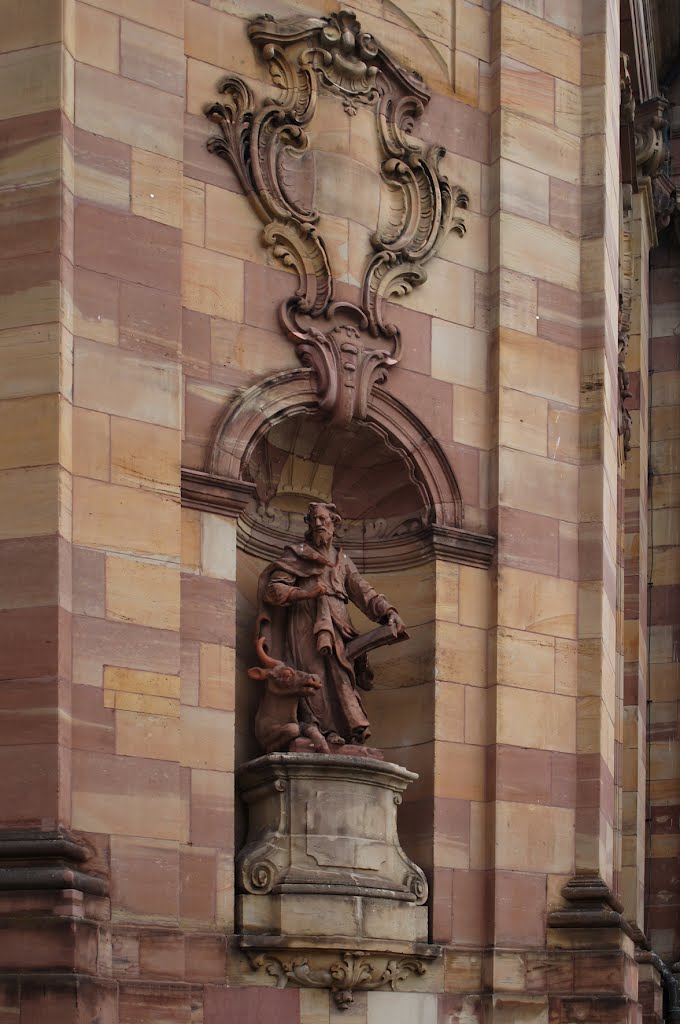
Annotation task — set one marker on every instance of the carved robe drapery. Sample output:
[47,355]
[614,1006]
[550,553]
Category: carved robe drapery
[296,630]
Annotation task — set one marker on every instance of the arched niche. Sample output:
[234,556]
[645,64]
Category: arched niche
[272,453]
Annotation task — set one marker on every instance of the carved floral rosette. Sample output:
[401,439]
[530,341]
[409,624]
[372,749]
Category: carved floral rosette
[350,347]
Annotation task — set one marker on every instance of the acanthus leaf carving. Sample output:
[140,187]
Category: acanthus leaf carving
[353,971]
[337,340]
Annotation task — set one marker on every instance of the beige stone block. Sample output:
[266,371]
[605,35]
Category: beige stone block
[477,722]
[401,1008]
[146,735]
[142,592]
[526,90]
[191,539]
[524,191]
[315,1006]
[472,30]
[572,436]
[164,15]
[217,676]
[446,583]
[448,293]
[459,771]
[37,495]
[136,388]
[150,684]
[207,737]
[212,283]
[347,188]
[536,602]
[474,597]
[580,111]
[29,23]
[218,546]
[232,226]
[533,484]
[30,80]
[465,172]
[541,45]
[331,128]
[459,354]
[132,112]
[153,57]
[449,714]
[29,432]
[518,301]
[526,718]
[474,250]
[523,421]
[193,222]
[525,660]
[249,348]
[157,188]
[29,361]
[141,703]
[460,654]
[91,450]
[531,837]
[125,519]
[541,147]
[145,455]
[530,364]
[209,34]
[97,37]
[472,417]
[539,251]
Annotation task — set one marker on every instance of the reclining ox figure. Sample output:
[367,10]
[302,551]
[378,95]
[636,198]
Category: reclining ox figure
[276,721]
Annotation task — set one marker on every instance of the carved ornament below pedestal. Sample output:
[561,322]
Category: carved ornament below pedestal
[352,971]
[349,347]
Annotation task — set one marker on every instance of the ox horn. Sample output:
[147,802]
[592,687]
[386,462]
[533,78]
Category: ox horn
[266,660]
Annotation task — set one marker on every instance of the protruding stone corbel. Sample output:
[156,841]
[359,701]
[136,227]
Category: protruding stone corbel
[651,136]
[590,904]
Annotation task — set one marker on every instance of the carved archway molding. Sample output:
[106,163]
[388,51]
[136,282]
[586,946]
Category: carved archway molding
[222,489]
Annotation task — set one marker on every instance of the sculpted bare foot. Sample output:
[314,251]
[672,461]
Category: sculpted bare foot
[335,740]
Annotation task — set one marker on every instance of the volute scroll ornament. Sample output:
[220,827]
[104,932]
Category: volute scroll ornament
[350,347]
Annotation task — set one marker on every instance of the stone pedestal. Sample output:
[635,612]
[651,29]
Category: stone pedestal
[322,864]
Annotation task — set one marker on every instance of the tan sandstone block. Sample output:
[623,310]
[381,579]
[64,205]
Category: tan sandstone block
[540,367]
[145,454]
[534,484]
[540,45]
[232,226]
[132,112]
[531,837]
[136,388]
[165,15]
[157,188]
[314,1006]
[448,294]
[218,546]
[460,654]
[30,81]
[474,597]
[149,684]
[536,602]
[446,583]
[153,57]
[191,539]
[459,354]
[91,450]
[29,23]
[193,211]
[525,660]
[29,431]
[147,735]
[212,283]
[460,771]
[97,37]
[546,721]
[124,519]
[524,191]
[450,712]
[471,417]
[37,496]
[29,361]
[217,676]
[142,592]
[527,90]
[523,421]
[207,737]
[540,251]
[518,301]
[542,147]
